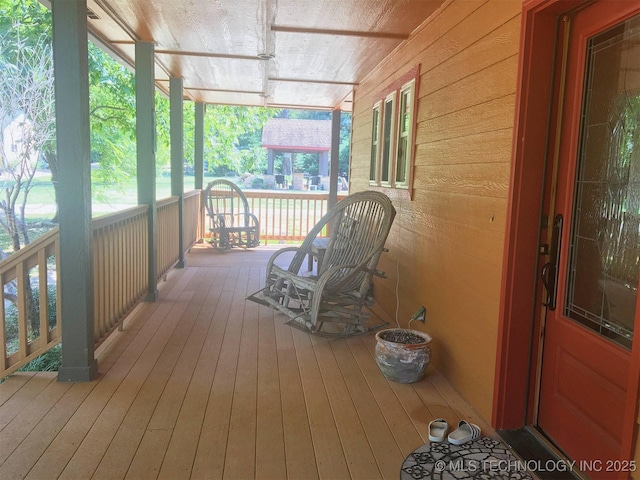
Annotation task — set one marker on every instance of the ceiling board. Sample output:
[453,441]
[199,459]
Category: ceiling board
[316,50]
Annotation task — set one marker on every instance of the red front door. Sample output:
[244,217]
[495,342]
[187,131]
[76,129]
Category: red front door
[589,325]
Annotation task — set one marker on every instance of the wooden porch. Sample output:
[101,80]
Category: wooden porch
[202,384]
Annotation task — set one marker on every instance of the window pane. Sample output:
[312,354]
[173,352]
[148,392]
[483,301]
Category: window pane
[373,168]
[403,135]
[387,139]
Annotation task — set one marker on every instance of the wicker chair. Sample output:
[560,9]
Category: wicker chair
[330,302]
[231,224]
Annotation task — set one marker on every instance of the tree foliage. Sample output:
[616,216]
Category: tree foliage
[27,122]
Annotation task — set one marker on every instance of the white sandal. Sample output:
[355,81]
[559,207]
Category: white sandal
[464,433]
[438,428]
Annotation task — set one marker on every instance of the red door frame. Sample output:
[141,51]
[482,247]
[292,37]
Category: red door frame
[512,375]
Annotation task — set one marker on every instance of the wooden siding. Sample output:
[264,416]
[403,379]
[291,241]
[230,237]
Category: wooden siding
[447,242]
[203,384]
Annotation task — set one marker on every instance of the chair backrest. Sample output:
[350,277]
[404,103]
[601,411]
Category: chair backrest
[359,225]
[224,198]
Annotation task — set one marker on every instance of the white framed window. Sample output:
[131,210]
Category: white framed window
[388,138]
[375,145]
[405,130]
[393,132]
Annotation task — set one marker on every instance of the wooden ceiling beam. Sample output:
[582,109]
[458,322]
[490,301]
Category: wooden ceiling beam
[344,33]
[305,80]
[209,55]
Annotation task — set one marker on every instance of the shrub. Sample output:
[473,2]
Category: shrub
[49,361]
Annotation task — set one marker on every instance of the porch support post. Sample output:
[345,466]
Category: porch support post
[269,161]
[335,156]
[146,155]
[323,164]
[176,128]
[198,155]
[74,195]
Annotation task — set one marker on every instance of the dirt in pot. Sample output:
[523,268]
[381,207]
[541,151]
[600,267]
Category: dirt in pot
[400,336]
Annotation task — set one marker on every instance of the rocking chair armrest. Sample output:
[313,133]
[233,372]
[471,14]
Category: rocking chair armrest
[253,218]
[277,253]
[377,273]
[301,282]
[326,276]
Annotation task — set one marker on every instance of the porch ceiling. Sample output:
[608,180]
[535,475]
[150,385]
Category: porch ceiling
[298,53]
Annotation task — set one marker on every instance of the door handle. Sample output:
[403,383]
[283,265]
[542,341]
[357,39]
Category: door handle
[550,269]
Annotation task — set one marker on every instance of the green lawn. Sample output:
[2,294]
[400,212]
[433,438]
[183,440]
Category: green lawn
[122,194]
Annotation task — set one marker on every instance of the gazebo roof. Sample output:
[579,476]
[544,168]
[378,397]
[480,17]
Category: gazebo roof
[297,135]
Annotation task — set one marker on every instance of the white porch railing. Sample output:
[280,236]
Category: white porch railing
[287,216]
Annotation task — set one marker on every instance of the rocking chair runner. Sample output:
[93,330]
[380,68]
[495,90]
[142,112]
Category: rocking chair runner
[230,222]
[335,297]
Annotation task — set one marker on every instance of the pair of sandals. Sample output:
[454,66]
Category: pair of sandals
[465,432]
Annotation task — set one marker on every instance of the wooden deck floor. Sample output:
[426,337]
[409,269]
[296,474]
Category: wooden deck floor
[202,384]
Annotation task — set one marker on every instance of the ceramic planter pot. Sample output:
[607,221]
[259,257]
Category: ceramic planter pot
[403,362]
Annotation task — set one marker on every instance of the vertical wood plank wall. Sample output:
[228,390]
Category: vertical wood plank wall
[447,242]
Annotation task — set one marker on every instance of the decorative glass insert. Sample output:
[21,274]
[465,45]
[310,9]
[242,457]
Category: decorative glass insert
[605,237]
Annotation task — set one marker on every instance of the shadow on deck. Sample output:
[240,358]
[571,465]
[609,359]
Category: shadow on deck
[202,384]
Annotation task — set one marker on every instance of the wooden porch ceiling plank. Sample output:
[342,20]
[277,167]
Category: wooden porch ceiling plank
[89,454]
[212,447]
[241,445]
[123,448]
[271,460]
[356,446]
[19,463]
[61,450]
[15,431]
[330,457]
[345,33]
[22,397]
[298,443]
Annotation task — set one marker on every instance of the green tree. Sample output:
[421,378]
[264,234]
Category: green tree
[27,123]
[231,142]
[112,117]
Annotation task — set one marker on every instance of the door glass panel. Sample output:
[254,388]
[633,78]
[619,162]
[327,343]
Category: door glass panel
[605,236]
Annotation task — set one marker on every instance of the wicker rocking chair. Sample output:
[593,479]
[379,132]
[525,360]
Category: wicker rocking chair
[330,303]
[231,224]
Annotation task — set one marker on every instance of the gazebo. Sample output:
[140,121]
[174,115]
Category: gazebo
[297,136]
